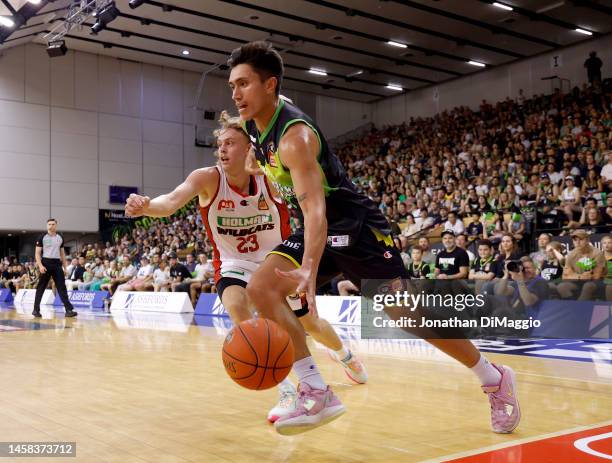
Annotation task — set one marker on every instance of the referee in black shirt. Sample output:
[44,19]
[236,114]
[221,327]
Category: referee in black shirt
[51,262]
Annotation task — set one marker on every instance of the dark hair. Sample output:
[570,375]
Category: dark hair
[52,220]
[262,57]
[485,243]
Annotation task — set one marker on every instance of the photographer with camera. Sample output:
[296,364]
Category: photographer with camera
[527,289]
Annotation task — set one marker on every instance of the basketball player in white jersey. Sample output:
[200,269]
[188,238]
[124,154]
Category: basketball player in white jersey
[244,222]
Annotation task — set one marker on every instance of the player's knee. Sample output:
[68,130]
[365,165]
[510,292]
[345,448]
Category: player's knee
[264,299]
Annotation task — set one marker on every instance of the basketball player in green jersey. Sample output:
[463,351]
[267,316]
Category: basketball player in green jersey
[343,231]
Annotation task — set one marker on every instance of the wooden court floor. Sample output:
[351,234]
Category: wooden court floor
[136,388]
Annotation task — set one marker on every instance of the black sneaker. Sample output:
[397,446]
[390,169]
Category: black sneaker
[36,314]
[71,313]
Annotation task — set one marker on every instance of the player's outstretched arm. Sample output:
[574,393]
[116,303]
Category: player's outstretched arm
[199,182]
[299,149]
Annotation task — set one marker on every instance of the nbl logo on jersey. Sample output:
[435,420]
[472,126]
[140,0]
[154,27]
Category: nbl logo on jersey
[226,204]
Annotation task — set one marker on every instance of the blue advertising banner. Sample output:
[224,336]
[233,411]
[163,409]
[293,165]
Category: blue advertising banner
[93,299]
[210,304]
[6,296]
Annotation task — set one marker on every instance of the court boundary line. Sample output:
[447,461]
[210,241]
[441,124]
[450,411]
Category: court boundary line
[525,440]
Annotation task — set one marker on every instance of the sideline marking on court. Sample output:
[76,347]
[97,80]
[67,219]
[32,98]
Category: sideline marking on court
[526,440]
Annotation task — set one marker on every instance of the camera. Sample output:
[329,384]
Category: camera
[514,266]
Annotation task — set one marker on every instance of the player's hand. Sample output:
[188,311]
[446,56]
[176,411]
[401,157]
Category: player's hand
[306,280]
[136,205]
[42,268]
[250,163]
[586,275]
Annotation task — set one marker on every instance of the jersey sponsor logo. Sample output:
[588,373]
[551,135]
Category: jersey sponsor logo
[338,241]
[226,204]
[270,155]
[262,205]
[244,202]
[387,255]
[292,244]
[245,231]
[241,222]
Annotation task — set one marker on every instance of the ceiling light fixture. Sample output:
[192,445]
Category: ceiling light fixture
[476,63]
[396,87]
[185,52]
[397,44]
[502,6]
[6,21]
[317,72]
[583,31]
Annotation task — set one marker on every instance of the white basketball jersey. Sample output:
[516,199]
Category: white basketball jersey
[243,229]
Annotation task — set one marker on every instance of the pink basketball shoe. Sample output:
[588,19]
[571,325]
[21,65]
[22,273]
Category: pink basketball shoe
[314,408]
[505,410]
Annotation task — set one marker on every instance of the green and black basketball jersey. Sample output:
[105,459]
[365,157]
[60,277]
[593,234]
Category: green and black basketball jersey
[347,209]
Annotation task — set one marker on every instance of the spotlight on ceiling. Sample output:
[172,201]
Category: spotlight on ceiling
[57,48]
[135,3]
[104,16]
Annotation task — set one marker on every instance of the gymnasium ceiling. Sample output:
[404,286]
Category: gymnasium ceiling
[341,37]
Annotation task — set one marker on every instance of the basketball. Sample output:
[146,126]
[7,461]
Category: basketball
[258,354]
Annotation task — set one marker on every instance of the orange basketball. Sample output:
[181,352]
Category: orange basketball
[258,354]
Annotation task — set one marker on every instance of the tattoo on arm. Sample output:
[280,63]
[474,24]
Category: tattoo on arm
[302,197]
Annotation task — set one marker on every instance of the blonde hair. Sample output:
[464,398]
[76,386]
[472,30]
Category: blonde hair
[228,122]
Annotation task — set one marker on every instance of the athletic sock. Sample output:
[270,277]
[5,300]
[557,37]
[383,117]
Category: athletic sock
[486,372]
[286,385]
[344,355]
[307,372]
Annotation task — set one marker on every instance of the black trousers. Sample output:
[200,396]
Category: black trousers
[55,271]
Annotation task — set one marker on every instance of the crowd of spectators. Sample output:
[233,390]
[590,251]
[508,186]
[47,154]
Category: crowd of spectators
[493,185]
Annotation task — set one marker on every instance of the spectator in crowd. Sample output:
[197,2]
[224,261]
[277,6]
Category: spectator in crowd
[75,275]
[484,267]
[126,273]
[552,266]
[203,280]
[454,224]
[606,246]
[540,255]
[140,280]
[97,274]
[190,263]
[593,66]
[526,290]
[475,229]
[161,277]
[179,275]
[418,269]
[584,262]
[508,251]
[462,242]
[570,198]
[428,256]
[4,275]
[452,263]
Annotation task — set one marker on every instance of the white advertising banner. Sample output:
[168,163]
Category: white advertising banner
[151,302]
[26,297]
